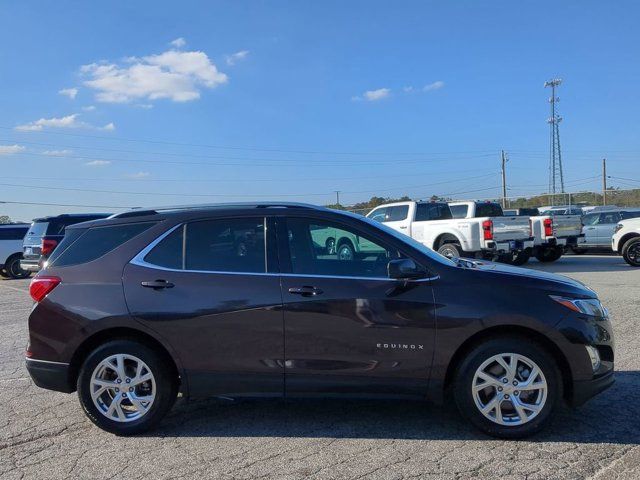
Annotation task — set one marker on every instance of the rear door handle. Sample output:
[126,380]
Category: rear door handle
[305,291]
[157,284]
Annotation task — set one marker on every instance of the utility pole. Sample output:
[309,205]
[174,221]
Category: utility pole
[504,179]
[337,197]
[604,181]
[556,177]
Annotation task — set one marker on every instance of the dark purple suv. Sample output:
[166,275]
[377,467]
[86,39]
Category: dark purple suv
[291,300]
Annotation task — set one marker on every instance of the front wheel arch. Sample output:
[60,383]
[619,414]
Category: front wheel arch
[110,334]
[512,330]
[625,239]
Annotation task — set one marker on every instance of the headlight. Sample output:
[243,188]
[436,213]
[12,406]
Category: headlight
[589,306]
[618,227]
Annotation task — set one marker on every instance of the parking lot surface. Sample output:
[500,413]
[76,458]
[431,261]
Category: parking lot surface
[45,434]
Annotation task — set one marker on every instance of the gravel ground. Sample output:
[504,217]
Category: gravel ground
[45,435]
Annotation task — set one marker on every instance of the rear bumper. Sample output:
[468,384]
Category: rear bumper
[505,246]
[50,375]
[30,265]
[584,390]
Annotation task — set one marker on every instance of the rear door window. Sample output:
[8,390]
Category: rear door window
[488,210]
[608,218]
[397,213]
[224,245]
[95,243]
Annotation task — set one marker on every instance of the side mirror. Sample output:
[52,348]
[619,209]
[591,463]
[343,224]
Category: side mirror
[405,269]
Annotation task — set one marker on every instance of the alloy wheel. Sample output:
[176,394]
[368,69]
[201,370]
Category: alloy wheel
[509,389]
[123,388]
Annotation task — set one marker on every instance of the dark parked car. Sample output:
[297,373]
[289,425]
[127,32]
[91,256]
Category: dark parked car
[133,309]
[45,234]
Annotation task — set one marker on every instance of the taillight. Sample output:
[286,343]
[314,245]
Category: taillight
[548,227]
[487,229]
[48,245]
[41,286]
[530,228]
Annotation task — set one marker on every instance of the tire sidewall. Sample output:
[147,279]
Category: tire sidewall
[451,247]
[166,389]
[625,251]
[466,371]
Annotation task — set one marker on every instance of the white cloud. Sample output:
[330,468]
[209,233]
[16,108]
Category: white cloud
[69,92]
[70,121]
[138,175]
[178,42]
[408,89]
[89,108]
[98,163]
[433,86]
[236,57]
[173,74]
[63,122]
[11,149]
[58,153]
[373,95]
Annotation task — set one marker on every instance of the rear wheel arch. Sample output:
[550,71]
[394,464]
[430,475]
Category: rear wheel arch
[120,333]
[445,238]
[524,333]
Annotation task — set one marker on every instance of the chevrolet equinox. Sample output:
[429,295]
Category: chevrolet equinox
[286,300]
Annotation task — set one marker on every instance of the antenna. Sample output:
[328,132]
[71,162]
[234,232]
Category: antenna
[556,178]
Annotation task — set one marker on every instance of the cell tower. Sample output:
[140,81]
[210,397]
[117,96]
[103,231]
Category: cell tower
[556,179]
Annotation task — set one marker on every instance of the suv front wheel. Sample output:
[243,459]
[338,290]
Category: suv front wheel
[508,387]
[126,387]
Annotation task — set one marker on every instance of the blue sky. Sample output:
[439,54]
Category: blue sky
[293,100]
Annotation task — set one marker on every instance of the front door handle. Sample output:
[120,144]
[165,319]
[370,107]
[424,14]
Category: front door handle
[157,284]
[305,291]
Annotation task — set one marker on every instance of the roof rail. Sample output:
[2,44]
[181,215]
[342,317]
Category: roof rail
[137,212]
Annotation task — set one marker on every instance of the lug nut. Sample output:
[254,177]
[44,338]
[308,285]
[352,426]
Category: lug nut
[124,395]
[118,381]
[117,389]
[516,393]
[499,389]
[514,383]
[506,397]
[131,389]
[504,380]
[129,380]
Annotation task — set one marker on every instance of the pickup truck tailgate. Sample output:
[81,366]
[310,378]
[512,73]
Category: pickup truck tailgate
[567,225]
[510,228]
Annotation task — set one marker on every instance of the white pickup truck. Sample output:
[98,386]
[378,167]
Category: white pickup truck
[433,225]
[553,234]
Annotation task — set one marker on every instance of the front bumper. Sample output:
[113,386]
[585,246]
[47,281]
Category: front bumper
[50,375]
[586,389]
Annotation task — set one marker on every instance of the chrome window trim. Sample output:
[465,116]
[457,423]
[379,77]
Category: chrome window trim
[139,261]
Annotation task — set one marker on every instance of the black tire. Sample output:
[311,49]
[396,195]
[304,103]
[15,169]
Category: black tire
[631,252]
[345,251]
[578,251]
[464,378]
[330,246]
[166,385]
[450,250]
[548,255]
[13,269]
[3,273]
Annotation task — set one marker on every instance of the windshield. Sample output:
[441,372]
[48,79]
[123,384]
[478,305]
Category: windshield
[404,238]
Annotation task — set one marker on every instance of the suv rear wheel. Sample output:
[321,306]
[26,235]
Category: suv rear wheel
[508,387]
[125,387]
[13,269]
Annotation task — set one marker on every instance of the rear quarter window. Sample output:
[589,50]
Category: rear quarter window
[13,233]
[488,210]
[459,211]
[94,243]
